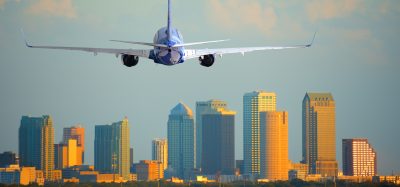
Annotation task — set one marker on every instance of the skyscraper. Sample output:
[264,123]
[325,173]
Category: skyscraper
[319,134]
[36,144]
[201,107]
[111,148]
[66,155]
[359,157]
[181,142]
[274,145]
[253,104]
[218,142]
[160,151]
[76,133]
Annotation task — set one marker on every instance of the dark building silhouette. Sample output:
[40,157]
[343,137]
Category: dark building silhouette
[7,158]
[218,152]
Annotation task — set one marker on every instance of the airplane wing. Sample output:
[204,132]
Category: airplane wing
[145,53]
[196,53]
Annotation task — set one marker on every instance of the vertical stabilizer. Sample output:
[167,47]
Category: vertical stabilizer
[169,29]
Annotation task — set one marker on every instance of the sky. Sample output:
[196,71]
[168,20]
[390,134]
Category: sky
[355,57]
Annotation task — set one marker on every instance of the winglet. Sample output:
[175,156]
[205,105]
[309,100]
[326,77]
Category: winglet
[26,42]
[312,42]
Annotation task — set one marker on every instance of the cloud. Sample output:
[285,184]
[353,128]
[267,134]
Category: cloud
[329,9]
[63,8]
[2,2]
[233,14]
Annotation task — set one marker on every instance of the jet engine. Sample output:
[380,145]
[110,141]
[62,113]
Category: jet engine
[207,60]
[130,60]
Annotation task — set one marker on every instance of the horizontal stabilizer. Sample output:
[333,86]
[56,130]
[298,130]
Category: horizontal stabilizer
[141,43]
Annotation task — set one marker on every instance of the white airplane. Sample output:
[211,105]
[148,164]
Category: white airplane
[169,48]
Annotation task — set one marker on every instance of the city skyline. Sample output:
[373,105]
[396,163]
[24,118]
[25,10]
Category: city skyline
[354,56]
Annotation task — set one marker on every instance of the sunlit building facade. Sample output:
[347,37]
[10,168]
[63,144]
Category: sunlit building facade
[66,155]
[181,141]
[319,134]
[160,151]
[274,145]
[36,144]
[112,149]
[218,142]
[253,104]
[359,157]
[201,108]
[77,133]
[149,170]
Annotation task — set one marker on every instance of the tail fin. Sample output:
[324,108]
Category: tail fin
[169,29]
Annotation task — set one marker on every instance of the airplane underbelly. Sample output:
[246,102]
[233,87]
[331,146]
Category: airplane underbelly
[167,57]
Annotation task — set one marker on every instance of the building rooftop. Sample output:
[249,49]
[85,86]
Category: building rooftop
[320,96]
[181,109]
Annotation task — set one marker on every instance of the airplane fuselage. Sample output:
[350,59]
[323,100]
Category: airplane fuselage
[171,55]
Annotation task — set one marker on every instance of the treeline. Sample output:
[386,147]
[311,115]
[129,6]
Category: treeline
[293,183]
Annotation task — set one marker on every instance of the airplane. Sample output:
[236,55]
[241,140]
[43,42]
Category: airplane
[168,48]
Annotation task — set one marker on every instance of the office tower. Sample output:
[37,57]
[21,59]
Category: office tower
[181,142]
[111,148]
[201,107]
[149,170]
[359,157]
[319,134]
[130,157]
[160,151]
[218,142]
[8,158]
[65,155]
[274,145]
[77,133]
[253,104]
[36,144]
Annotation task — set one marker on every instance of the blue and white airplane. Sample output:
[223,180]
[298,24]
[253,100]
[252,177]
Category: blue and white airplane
[169,48]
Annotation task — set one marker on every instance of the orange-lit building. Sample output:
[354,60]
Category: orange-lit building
[67,155]
[77,133]
[274,145]
[359,158]
[149,170]
[319,134]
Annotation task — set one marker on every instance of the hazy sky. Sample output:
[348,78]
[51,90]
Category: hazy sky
[356,57]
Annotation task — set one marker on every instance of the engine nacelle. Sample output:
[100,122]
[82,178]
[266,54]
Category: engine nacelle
[207,60]
[130,60]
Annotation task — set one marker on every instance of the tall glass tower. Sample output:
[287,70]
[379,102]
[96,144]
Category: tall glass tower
[201,108]
[112,149]
[181,141]
[36,144]
[253,104]
[319,134]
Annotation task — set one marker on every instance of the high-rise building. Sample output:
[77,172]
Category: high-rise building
[218,142]
[8,158]
[131,157]
[319,134]
[201,107]
[149,170]
[359,157]
[274,145]
[111,148]
[253,104]
[160,151]
[181,141]
[65,155]
[36,144]
[77,133]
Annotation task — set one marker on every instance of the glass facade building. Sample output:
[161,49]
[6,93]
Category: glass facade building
[181,141]
[319,134]
[253,104]
[112,149]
